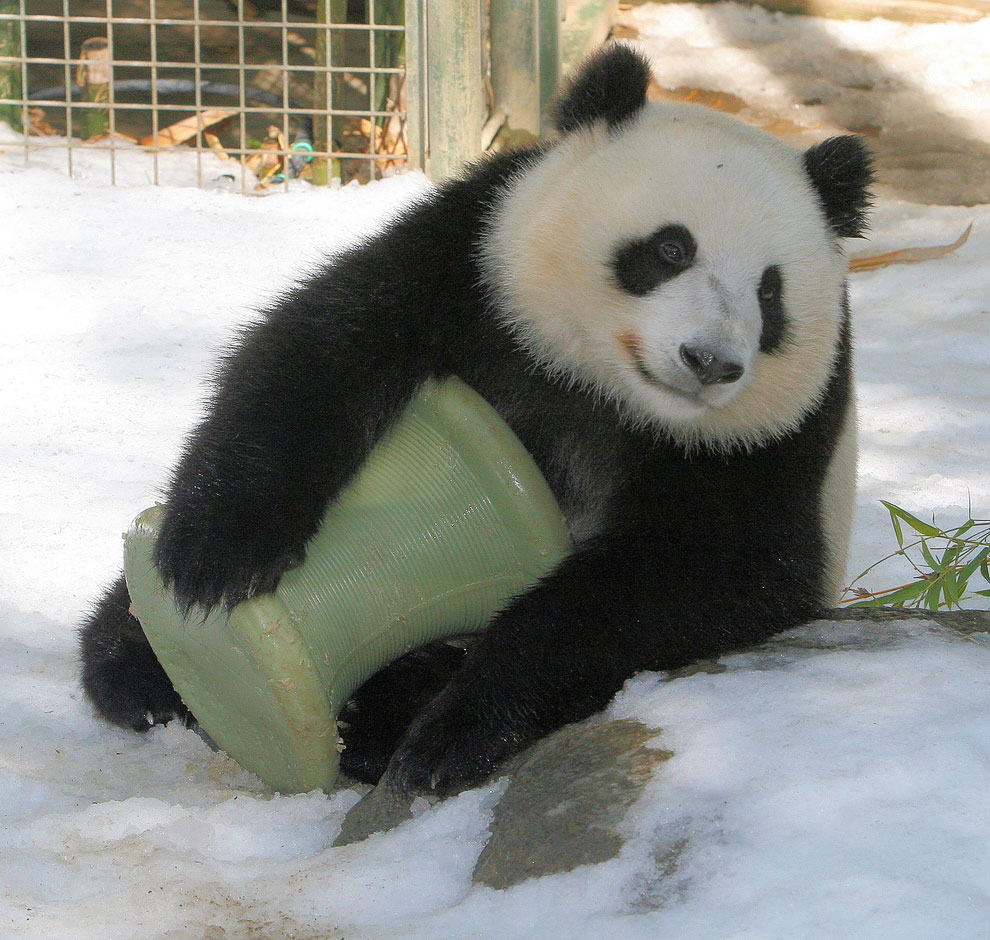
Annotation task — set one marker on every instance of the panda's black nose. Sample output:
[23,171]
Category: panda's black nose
[708,367]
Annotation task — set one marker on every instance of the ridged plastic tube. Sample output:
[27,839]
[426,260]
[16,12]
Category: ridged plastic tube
[447,520]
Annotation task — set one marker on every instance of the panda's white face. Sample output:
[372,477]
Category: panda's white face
[682,267]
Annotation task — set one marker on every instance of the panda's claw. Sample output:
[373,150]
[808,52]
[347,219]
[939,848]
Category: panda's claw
[205,568]
[453,745]
[120,673]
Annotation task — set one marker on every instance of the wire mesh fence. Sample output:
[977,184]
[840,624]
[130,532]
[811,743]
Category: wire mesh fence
[262,91]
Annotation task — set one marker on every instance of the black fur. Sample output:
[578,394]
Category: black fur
[373,722]
[771,297]
[841,172]
[288,426]
[610,86]
[642,265]
[120,672]
[677,557]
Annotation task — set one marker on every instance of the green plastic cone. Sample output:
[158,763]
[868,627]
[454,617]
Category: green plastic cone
[447,520]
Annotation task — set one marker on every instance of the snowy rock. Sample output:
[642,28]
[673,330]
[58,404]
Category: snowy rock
[962,621]
[568,795]
[566,800]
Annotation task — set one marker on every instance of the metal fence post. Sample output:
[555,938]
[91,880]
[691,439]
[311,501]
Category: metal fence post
[551,13]
[516,62]
[525,42]
[456,105]
[10,72]
[417,120]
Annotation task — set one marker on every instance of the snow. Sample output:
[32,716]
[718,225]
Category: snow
[877,71]
[812,793]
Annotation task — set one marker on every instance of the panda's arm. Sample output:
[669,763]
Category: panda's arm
[296,407]
[560,652]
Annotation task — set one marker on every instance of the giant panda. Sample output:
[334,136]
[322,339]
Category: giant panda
[656,303]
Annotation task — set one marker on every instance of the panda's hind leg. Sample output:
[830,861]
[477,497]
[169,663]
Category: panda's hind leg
[120,673]
[376,717]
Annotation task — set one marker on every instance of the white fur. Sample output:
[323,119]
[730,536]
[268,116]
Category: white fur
[748,204]
[838,502]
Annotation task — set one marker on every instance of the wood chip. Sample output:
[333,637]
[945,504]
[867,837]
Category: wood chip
[183,130]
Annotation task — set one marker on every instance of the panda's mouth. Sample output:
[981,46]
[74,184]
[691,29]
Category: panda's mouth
[659,383]
[631,343]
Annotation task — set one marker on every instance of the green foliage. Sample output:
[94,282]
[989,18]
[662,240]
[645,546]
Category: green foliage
[945,561]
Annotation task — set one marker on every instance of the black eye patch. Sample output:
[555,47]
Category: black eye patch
[643,264]
[771,296]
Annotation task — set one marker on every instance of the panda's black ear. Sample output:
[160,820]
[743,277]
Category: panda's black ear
[841,171]
[610,85]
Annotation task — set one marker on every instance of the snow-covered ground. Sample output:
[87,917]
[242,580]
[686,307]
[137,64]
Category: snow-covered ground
[919,92]
[862,75]
[834,795]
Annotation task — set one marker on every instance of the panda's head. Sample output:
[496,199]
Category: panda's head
[677,261]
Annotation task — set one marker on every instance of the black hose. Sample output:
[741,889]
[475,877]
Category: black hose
[168,86]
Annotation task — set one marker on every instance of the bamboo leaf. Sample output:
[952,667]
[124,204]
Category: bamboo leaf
[922,528]
[944,560]
[872,602]
[967,571]
[895,598]
[909,592]
[930,558]
[963,529]
[950,589]
[931,596]
[949,556]
[896,523]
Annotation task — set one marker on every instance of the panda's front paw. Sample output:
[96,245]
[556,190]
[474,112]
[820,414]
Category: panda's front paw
[134,695]
[120,673]
[455,744]
[212,561]
[379,713]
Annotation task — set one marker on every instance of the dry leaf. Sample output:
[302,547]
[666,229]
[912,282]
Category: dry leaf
[907,255]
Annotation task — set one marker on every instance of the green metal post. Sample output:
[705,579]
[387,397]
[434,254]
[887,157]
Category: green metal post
[457,108]
[417,122]
[526,61]
[551,13]
[516,62]
[93,77]
[10,72]
[326,86]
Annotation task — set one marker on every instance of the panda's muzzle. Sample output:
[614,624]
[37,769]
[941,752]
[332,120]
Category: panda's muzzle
[708,367]
[704,365]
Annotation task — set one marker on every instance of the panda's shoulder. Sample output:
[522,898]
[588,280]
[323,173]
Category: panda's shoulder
[482,182]
[448,221]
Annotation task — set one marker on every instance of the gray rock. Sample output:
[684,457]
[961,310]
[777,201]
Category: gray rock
[569,793]
[380,810]
[565,801]
[962,621]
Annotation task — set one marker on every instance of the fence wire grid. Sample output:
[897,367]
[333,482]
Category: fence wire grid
[263,91]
